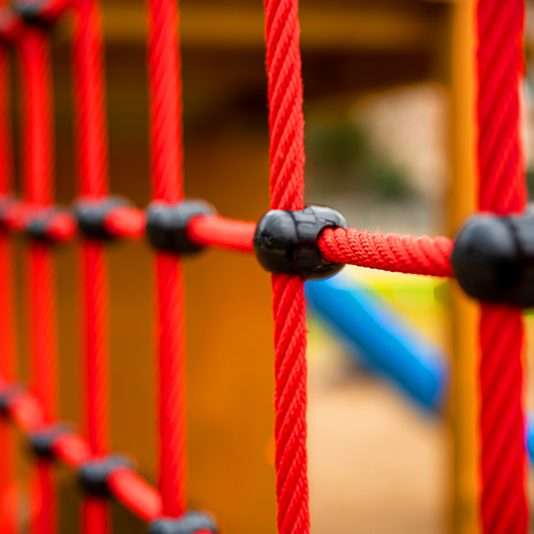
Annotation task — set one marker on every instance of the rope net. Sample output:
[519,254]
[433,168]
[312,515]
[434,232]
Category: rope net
[101,218]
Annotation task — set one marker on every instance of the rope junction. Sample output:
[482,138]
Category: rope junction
[292,241]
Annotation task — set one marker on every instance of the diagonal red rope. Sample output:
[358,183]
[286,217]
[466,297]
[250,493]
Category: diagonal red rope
[503,502]
[286,125]
[167,180]
[38,188]
[93,185]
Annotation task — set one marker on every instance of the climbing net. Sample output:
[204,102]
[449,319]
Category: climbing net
[491,259]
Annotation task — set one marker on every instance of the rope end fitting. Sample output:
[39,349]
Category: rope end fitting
[94,475]
[286,242]
[166,225]
[493,259]
[190,523]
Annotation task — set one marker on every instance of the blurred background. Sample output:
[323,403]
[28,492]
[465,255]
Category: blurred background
[388,105]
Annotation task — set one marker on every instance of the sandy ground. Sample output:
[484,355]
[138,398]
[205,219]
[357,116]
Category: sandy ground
[377,465]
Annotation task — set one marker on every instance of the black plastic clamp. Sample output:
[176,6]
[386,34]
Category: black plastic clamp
[94,474]
[8,395]
[37,13]
[91,216]
[190,523]
[493,259]
[42,441]
[38,225]
[166,225]
[286,241]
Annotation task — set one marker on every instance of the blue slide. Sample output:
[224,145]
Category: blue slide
[384,344]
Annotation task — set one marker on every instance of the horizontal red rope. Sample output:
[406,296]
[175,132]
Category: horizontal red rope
[421,255]
[388,252]
[221,232]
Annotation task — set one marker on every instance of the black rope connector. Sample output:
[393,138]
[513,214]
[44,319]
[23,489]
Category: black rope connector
[166,225]
[190,523]
[8,395]
[91,216]
[94,475]
[286,241]
[493,259]
[38,225]
[42,442]
[34,13]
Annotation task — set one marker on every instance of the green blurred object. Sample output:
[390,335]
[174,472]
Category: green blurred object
[341,157]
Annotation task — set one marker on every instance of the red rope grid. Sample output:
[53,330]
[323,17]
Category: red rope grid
[503,502]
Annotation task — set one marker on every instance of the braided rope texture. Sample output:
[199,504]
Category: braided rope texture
[165,101]
[91,129]
[38,141]
[286,125]
[167,178]
[503,504]
[388,252]
[92,157]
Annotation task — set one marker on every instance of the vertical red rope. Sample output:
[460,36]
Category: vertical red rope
[38,188]
[7,328]
[502,190]
[286,123]
[167,179]
[93,184]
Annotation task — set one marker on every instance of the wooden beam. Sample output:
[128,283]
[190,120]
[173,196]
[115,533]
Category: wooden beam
[463,405]
[353,27]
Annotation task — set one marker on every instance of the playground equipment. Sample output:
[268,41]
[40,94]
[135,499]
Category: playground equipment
[377,337]
[491,260]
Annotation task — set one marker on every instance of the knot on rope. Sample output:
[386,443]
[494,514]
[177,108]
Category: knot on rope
[166,225]
[94,475]
[190,523]
[286,242]
[493,259]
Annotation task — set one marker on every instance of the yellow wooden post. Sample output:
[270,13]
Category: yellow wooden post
[463,407]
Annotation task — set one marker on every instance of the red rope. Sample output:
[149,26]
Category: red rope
[38,187]
[503,503]
[389,252]
[93,184]
[167,179]
[286,124]
[221,232]
[7,328]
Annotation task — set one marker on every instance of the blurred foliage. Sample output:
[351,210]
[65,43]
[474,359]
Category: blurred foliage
[342,158]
